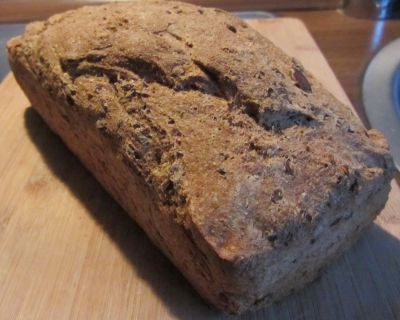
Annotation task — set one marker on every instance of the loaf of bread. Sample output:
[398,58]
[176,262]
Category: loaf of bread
[236,162]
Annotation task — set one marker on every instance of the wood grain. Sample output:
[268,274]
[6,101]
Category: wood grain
[68,251]
[27,10]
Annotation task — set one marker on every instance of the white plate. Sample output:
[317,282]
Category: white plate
[381,95]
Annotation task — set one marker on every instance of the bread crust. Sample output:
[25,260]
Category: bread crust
[236,162]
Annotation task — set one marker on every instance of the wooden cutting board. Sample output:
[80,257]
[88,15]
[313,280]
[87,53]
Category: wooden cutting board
[68,251]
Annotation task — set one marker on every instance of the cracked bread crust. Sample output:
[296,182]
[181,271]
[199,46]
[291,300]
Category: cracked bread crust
[261,173]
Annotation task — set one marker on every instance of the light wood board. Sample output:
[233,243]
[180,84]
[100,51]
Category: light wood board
[68,251]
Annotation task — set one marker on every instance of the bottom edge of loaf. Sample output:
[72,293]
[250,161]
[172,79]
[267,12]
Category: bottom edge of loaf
[298,279]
